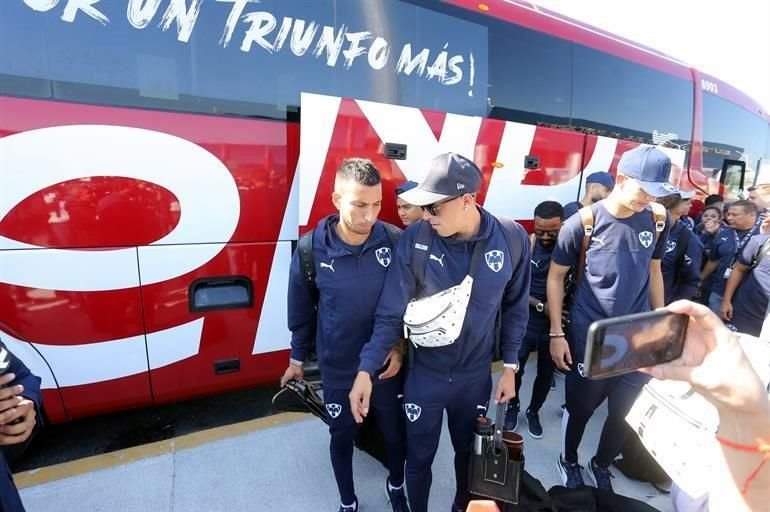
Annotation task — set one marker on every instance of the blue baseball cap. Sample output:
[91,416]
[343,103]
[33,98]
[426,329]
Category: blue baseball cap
[602,178]
[449,175]
[650,167]
[404,187]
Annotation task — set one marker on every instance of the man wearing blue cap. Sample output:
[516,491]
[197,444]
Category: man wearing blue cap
[598,186]
[456,239]
[621,274]
[408,213]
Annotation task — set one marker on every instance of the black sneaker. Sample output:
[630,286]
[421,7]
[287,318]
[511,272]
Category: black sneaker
[601,476]
[511,417]
[535,428]
[354,508]
[571,473]
[396,497]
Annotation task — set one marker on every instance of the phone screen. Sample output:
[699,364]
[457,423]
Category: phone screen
[624,344]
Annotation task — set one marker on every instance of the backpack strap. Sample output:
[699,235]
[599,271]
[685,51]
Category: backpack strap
[761,255]
[394,233]
[306,263]
[587,219]
[420,251]
[659,217]
[681,246]
[509,226]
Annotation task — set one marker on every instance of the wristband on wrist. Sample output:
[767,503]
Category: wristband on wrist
[555,334]
[764,449]
[296,362]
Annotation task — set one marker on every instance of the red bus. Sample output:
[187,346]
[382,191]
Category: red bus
[159,159]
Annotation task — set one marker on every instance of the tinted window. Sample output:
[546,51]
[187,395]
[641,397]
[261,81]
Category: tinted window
[731,133]
[408,55]
[617,98]
[530,74]
[214,294]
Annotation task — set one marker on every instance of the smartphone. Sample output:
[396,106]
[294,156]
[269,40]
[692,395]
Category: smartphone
[626,343]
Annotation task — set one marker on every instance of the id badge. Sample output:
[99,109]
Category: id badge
[728,271]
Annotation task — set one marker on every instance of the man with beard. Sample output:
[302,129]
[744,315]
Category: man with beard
[598,186]
[548,218]
[742,217]
[351,251]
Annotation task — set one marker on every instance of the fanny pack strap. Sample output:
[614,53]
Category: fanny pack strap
[477,250]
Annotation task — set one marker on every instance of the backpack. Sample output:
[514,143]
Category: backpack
[419,261]
[369,438]
[307,262]
[587,219]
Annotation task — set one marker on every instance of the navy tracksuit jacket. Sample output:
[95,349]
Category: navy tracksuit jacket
[456,377]
[349,280]
[9,496]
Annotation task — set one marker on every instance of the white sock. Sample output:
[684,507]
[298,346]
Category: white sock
[395,488]
[353,506]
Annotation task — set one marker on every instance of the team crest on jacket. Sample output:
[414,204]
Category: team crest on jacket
[334,410]
[645,237]
[670,245]
[412,411]
[495,260]
[383,256]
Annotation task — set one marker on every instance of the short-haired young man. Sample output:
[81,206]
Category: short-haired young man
[621,274]
[351,251]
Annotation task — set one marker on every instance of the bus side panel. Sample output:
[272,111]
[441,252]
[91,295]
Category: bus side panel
[501,150]
[183,357]
[93,341]
[207,182]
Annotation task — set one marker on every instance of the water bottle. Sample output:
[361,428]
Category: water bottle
[482,432]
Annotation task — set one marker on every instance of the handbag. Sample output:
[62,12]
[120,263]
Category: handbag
[437,320]
[496,472]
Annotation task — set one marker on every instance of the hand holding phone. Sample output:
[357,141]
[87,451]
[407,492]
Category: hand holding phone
[626,343]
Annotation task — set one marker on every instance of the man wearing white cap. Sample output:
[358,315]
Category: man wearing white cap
[621,275]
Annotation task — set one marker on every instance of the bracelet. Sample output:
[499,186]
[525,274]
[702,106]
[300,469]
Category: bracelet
[556,335]
[758,448]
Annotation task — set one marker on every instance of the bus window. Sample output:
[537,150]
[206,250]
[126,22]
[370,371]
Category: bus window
[613,97]
[741,136]
[391,52]
[529,73]
[733,177]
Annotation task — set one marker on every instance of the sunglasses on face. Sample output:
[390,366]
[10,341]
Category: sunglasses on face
[547,234]
[433,209]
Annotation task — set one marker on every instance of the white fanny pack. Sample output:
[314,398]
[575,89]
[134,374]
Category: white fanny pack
[437,320]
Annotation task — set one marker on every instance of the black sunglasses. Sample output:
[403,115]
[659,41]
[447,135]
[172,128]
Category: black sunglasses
[543,233]
[433,208]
